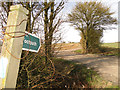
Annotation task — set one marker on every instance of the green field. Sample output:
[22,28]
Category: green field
[111,45]
[106,49]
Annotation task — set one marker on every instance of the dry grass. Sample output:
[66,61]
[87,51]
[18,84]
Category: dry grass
[67,46]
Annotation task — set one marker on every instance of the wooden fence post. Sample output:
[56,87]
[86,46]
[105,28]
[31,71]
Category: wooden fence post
[12,47]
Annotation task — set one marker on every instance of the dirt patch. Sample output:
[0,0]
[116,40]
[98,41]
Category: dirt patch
[68,46]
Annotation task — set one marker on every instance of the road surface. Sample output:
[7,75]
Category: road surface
[106,66]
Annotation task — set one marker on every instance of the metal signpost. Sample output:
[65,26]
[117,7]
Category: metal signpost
[31,42]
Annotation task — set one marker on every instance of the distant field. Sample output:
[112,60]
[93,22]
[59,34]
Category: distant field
[66,46]
[111,45]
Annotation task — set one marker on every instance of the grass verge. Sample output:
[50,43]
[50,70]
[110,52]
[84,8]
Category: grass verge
[104,51]
[78,51]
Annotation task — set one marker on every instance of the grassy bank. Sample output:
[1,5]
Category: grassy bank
[79,76]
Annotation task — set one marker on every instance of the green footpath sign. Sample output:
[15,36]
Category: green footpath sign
[31,43]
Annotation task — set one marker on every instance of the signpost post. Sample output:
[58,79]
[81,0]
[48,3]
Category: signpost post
[9,65]
[12,47]
[31,43]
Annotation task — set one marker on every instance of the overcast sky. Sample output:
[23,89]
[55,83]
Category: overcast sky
[72,35]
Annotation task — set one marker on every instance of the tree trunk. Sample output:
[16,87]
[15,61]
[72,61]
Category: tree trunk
[29,18]
[51,29]
[46,31]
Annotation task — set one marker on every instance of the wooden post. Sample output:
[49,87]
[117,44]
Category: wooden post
[14,45]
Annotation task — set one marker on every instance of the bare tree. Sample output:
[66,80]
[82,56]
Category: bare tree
[51,23]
